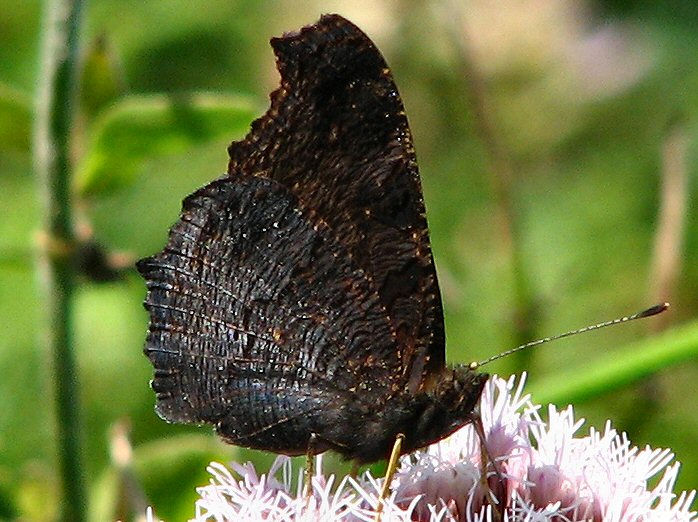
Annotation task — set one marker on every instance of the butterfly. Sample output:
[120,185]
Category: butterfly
[296,306]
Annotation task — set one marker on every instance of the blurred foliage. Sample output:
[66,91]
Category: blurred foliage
[582,96]
[15,121]
[136,128]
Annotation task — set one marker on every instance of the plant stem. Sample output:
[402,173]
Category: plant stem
[52,137]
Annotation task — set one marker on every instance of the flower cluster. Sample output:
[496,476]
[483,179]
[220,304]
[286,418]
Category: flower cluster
[530,470]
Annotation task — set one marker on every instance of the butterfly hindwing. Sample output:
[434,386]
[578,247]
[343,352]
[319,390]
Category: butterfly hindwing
[249,298]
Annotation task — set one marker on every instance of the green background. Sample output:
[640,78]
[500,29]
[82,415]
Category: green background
[580,103]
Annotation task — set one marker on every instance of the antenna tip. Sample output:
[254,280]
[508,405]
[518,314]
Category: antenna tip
[653,310]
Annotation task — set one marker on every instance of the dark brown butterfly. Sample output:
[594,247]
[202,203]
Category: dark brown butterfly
[296,296]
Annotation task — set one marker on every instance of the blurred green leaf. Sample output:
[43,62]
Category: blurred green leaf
[105,496]
[165,473]
[619,368]
[8,509]
[101,79]
[141,127]
[15,120]
[37,492]
[171,469]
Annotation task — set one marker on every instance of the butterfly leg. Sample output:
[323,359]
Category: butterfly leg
[485,459]
[310,465]
[389,474]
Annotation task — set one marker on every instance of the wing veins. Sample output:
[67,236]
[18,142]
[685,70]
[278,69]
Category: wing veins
[212,321]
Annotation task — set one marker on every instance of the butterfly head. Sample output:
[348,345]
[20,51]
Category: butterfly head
[457,390]
[447,403]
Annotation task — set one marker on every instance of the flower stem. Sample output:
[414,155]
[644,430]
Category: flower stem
[52,137]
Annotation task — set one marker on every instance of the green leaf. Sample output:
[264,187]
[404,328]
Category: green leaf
[171,469]
[163,473]
[620,368]
[15,120]
[140,127]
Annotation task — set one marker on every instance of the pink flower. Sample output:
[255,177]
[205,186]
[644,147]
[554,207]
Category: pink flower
[541,472]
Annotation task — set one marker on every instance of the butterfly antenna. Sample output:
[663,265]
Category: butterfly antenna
[653,310]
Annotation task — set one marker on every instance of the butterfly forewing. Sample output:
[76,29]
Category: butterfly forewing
[337,137]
